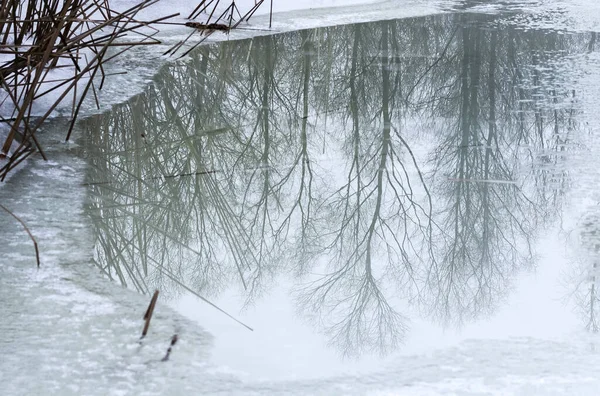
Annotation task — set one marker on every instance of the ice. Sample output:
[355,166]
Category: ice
[67,330]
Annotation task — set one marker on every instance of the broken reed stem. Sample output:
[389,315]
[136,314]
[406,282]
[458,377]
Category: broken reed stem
[35,245]
[148,314]
[224,22]
[173,342]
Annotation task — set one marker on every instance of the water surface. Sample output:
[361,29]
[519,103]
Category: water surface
[350,192]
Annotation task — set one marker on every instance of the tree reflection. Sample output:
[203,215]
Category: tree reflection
[303,157]
[584,277]
[378,227]
[491,211]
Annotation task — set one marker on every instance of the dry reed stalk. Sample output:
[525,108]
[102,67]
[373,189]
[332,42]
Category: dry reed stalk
[148,314]
[224,22]
[38,37]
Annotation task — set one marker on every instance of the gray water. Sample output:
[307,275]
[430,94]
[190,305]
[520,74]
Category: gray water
[341,189]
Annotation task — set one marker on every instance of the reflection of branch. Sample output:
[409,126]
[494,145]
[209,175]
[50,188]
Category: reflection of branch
[176,280]
[430,67]
[361,318]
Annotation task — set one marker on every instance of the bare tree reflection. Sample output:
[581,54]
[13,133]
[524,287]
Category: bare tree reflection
[303,157]
[585,279]
[379,226]
[491,213]
[161,156]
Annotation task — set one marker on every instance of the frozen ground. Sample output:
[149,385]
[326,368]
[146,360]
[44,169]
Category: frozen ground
[65,330]
[507,367]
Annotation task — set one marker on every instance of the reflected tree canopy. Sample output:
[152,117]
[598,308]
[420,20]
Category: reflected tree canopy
[485,164]
[371,166]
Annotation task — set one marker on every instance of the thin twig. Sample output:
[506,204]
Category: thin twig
[35,245]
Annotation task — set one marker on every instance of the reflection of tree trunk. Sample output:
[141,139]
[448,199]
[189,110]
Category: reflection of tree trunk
[462,204]
[265,115]
[355,124]
[592,42]
[200,71]
[302,201]
[485,199]
[474,58]
[593,324]
[261,220]
[385,140]
[306,166]
[537,96]
[138,146]
[517,82]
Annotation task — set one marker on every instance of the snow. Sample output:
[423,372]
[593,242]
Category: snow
[68,331]
[65,329]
